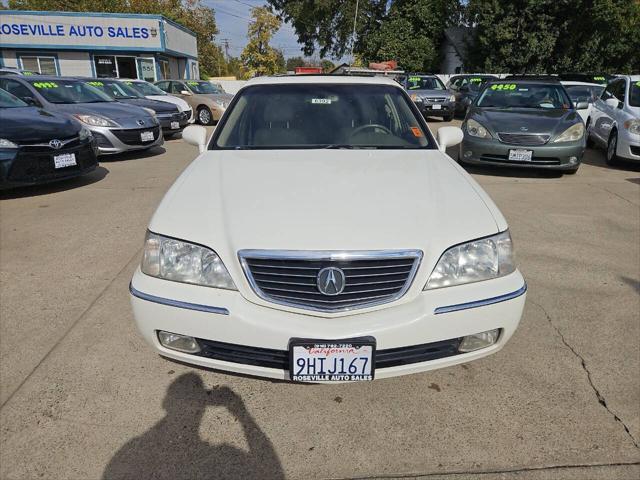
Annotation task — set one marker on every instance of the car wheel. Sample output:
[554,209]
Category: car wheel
[612,146]
[590,143]
[204,116]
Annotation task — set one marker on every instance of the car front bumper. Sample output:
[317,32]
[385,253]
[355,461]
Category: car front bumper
[628,146]
[166,122]
[118,140]
[442,109]
[245,329]
[561,156]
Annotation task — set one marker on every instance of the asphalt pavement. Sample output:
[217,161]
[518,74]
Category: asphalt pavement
[83,397]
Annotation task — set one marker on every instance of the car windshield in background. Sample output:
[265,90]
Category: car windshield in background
[69,91]
[476,84]
[9,101]
[634,94]
[116,90]
[145,88]
[583,93]
[202,87]
[417,82]
[322,116]
[524,95]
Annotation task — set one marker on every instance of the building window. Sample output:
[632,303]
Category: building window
[105,66]
[164,69]
[42,65]
[146,69]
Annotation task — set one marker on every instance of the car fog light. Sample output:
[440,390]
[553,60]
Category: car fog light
[479,340]
[468,154]
[182,343]
[573,159]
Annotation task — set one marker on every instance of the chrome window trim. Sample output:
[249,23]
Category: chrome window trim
[177,303]
[416,255]
[481,303]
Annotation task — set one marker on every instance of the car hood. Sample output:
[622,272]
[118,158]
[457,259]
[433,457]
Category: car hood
[181,104]
[125,115]
[18,125]
[158,107]
[550,122]
[325,200]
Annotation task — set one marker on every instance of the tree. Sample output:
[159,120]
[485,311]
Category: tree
[280,61]
[258,56]
[327,65]
[294,62]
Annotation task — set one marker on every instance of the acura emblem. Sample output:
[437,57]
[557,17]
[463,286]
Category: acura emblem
[140,122]
[331,281]
[55,143]
[524,129]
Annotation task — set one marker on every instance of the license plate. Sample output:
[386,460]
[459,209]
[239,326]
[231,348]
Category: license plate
[175,125]
[64,160]
[146,136]
[349,360]
[436,107]
[520,155]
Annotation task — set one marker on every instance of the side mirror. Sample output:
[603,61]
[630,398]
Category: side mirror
[196,135]
[582,105]
[30,101]
[612,102]
[448,137]
[185,92]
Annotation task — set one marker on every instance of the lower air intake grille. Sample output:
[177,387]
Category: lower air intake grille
[330,281]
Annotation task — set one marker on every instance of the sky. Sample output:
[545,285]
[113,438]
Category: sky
[232,18]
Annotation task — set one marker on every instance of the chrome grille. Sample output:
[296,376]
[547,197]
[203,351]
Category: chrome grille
[291,277]
[523,138]
[436,99]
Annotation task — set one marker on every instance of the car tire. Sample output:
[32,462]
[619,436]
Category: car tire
[590,142]
[448,118]
[610,155]
[204,115]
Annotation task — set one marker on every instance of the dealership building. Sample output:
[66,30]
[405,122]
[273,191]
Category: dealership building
[149,47]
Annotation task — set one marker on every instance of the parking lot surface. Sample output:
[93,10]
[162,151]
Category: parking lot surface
[83,397]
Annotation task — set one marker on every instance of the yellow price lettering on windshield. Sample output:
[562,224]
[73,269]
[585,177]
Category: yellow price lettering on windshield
[26,73]
[637,84]
[598,78]
[192,83]
[503,86]
[45,85]
[475,80]
[128,83]
[96,84]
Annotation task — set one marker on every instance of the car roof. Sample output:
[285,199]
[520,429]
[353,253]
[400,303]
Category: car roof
[322,79]
[589,84]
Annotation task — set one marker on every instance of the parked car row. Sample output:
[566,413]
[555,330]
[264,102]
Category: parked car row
[536,121]
[55,127]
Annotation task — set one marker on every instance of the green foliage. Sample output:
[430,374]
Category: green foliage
[258,56]
[294,62]
[327,65]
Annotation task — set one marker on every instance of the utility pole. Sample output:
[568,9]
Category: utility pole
[225,44]
[353,37]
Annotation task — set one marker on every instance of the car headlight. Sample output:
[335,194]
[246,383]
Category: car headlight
[415,98]
[84,134]
[95,120]
[571,134]
[4,143]
[475,129]
[633,126]
[452,98]
[180,261]
[482,259]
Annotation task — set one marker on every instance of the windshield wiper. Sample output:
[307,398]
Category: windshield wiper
[340,145]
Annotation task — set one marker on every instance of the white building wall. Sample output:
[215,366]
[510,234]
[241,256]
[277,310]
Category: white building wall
[75,64]
[178,40]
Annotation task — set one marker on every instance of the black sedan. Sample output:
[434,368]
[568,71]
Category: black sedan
[37,146]
[171,119]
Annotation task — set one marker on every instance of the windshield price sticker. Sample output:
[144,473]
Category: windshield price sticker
[321,101]
[332,361]
[416,132]
[475,80]
[96,84]
[503,86]
[599,78]
[192,83]
[45,85]
[637,84]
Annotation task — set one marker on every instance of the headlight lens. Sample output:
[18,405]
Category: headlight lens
[185,262]
[84,134]
[95,120]
[481,259]
[571,134]
[475,129]
[452,98]
[633,126]
[4,143]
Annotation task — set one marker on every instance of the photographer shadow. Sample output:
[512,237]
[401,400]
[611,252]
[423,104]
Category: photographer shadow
[173,449]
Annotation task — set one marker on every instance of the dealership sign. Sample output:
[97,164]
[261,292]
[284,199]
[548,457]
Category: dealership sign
[107,31]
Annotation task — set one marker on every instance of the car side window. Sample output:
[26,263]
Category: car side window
[163,86]
[16,89]
[614,90]
[176,87]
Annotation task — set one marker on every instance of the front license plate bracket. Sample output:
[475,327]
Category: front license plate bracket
[338,360]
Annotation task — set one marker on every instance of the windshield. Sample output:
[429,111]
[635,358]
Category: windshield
[145,88]
[524,95]
[202,87]
[322,116]
[475,84]
[69,91]
[116,90]
[9,101]
[424,83]
[584,93]
[634,94]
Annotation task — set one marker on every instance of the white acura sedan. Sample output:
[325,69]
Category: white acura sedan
[322,235]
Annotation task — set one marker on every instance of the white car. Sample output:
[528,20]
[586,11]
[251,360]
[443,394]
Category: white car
[615,119]
[583,92]
[152,92]
[323,235]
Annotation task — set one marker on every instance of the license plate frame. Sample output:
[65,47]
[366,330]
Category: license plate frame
[64,160]
[365,347]
[436,107]
[174,125]
[147,136]
[521,155]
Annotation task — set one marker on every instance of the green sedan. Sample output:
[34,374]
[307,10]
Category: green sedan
[524,122]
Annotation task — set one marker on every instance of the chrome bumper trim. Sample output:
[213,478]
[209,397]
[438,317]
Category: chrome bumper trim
[481,303]
[177,303]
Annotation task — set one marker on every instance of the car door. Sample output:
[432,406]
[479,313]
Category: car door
[604,115]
